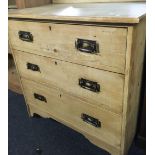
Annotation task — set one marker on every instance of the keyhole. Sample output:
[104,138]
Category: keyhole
[56,63]
[50,28]
[60,95]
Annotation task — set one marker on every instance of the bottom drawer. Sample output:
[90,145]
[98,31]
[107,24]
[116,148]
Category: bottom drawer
[74,112]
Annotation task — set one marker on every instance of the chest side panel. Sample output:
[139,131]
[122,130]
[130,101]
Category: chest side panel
[134,67]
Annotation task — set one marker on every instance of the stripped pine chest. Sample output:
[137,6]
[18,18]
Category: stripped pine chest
[81,64]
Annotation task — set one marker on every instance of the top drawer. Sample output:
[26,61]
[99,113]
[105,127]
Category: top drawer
[98,47]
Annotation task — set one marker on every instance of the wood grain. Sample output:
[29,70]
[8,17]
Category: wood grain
[91,12]
[134,67]
[69,109]
[66,76]
[116,104]
[53,40]
[114,151]
[13,77]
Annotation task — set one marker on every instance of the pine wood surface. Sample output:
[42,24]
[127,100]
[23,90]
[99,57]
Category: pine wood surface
[66,76]
[13,77]
[133,77]
[92,12]
[69,109]
[53,40]
[118,100]
[100,143]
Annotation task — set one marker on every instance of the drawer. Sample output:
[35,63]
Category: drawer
[98,47]
[103,88]
[74,112]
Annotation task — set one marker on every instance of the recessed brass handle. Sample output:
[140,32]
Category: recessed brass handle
[33,67]
[87,46]
[91,120]
[90,85]
[25,36]
[40,97]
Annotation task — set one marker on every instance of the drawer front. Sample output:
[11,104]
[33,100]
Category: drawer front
[98,47]
[102,88]
[102,124]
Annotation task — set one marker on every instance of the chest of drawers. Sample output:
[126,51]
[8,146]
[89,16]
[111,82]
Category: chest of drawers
[83,68]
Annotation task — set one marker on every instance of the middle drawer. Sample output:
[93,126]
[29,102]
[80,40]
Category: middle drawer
[98,87]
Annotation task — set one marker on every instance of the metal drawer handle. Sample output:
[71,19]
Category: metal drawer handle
[91,120]
[25,36]
[90,85]
[87,46]
[40,97]
[33,67]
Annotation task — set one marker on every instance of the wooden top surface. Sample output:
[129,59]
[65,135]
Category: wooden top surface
[131,12]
